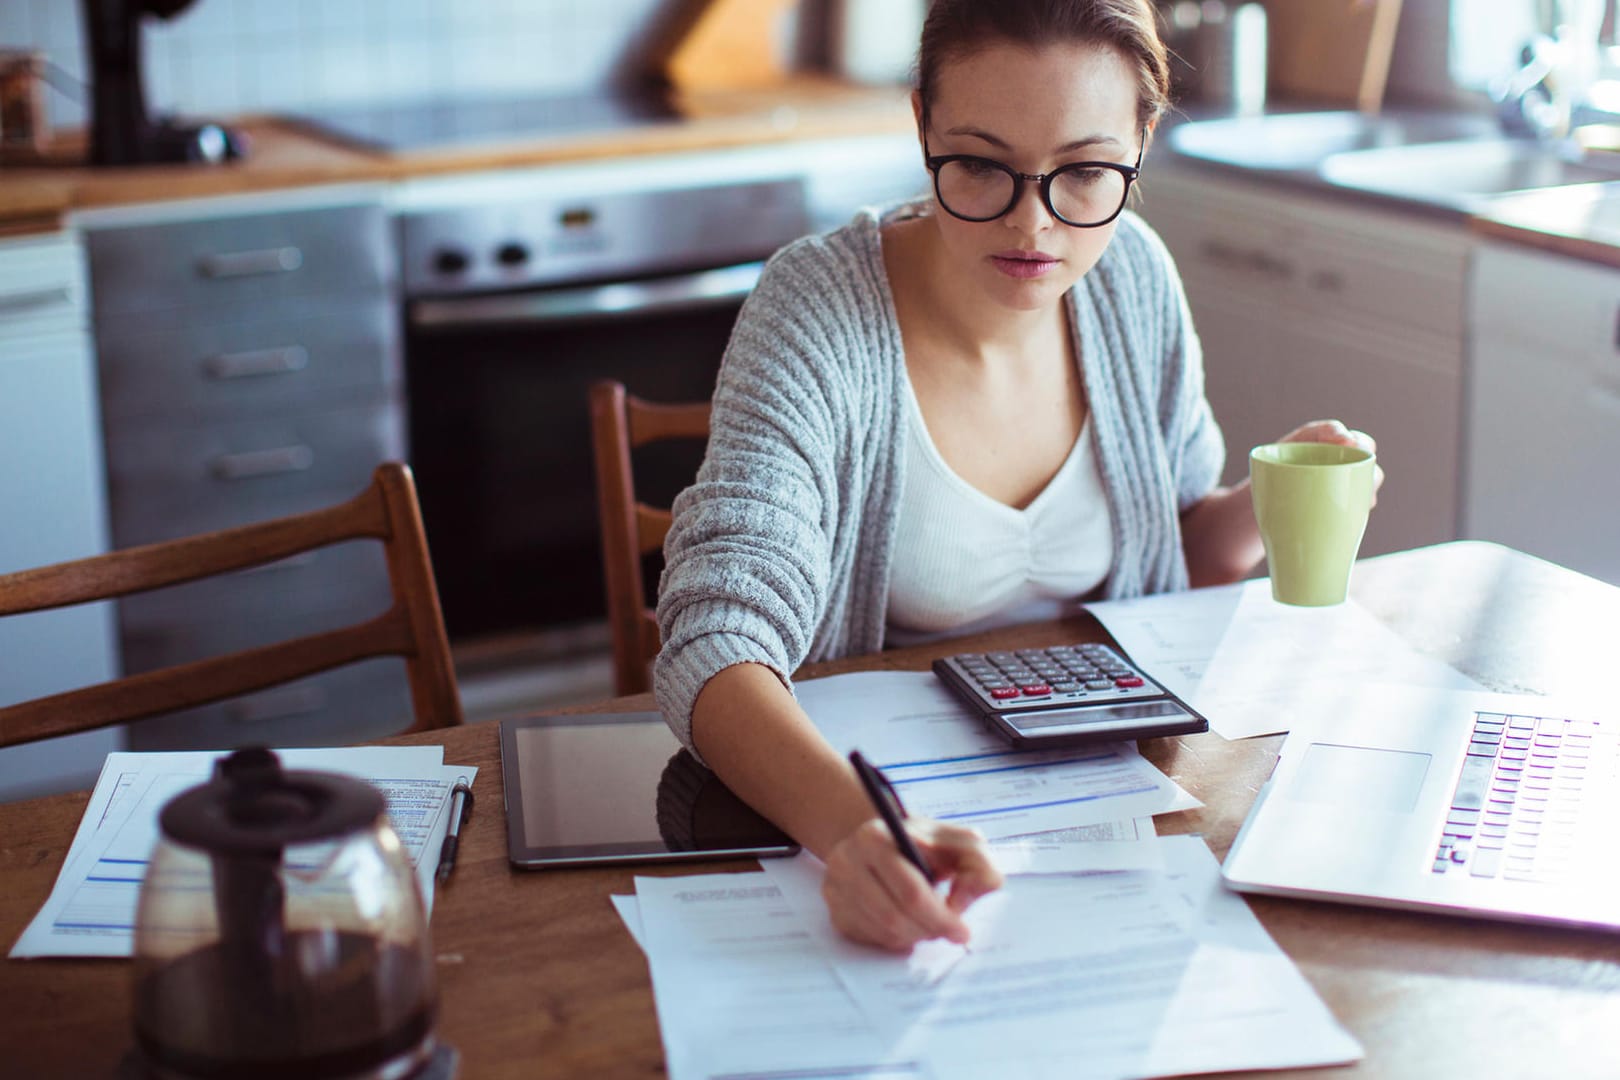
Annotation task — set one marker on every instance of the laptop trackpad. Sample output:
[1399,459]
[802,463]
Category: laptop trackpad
[1370,779]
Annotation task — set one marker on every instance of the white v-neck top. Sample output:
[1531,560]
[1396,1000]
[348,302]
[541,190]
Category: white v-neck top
[965,562]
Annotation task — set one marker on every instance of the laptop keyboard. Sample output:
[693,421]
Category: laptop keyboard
[1516,810]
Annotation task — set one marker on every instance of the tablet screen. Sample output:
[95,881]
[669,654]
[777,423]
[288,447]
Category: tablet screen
[618,787]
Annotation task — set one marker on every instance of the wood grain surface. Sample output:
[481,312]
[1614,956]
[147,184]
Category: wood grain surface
[284,154]
[538,978]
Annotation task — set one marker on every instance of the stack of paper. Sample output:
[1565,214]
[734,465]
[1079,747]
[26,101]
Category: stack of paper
[948,766]
[1137,972]
[91,911]
[1253,666]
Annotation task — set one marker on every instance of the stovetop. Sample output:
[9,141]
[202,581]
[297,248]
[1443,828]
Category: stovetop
[470,122]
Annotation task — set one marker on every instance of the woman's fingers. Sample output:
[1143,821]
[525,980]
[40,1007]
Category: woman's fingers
[960,854]
[875,896]
[1331,431]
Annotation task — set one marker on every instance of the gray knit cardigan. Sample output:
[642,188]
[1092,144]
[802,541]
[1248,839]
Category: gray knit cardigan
[780,551]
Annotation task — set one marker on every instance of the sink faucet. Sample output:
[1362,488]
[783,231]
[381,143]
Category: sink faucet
[1557,68]
[1527,102]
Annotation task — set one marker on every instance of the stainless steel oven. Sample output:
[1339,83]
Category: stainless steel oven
[522,292]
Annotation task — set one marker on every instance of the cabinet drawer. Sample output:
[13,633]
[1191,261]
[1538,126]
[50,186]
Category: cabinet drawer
[313,591]
[249,259]
[169,481]
[261,368]
[356,703]
[1398,273]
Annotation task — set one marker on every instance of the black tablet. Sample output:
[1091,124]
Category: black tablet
[594,788]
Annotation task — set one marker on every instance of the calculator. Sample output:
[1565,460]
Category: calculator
[1064,695]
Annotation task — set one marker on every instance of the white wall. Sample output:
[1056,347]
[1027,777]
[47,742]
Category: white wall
[225,57]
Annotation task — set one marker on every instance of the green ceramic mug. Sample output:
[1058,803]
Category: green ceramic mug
[1311,502]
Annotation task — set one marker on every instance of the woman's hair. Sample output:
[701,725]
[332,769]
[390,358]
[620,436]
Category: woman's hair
[958,28]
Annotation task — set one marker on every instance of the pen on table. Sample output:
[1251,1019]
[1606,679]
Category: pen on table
[891,810]
[461,804]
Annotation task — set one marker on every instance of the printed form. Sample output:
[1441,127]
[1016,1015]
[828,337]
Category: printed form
[946,765]
[1125,974]
[91,909]
[1253,666]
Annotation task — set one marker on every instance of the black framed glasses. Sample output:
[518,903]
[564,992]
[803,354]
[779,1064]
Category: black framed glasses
[1084,194]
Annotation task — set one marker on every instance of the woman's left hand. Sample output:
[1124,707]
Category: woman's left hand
[1334,431]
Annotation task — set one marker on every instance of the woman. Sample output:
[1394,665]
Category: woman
[959,413]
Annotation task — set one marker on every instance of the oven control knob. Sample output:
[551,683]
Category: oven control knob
[450,260]
[513,254]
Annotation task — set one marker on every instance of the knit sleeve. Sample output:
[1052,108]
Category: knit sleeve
[747,557]
[1192,438]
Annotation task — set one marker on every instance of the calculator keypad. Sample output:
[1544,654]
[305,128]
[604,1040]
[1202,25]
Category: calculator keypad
[1063,674]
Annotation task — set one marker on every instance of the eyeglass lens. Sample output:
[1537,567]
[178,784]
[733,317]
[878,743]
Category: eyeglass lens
[1079,194]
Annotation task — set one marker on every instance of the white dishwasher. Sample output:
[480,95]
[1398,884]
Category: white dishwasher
[52,501]
[1542,431]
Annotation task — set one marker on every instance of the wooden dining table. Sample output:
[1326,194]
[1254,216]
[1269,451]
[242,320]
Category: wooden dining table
[537,976]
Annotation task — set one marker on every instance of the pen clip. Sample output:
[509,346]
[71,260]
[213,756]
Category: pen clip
[464,789]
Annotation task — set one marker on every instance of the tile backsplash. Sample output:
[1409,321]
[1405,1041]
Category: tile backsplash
[226,57]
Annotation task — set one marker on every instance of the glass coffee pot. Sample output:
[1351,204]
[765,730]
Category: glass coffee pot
[280,932]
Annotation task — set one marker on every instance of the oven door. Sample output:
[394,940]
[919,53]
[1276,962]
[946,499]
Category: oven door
[500,432]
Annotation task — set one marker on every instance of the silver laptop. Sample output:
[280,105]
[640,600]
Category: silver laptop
[1493,805]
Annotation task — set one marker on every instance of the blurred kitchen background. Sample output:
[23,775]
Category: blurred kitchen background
[226,57]
[434,222]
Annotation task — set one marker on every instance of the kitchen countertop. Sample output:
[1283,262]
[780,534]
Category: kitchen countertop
[285,154]
[1578,221]
[1583,221]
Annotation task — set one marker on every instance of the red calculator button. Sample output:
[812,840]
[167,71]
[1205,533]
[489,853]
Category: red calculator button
[1002,693]
[1036,690]
[1128,682]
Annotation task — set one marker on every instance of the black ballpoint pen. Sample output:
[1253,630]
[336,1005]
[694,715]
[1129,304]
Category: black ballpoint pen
[461,804]
[891,810]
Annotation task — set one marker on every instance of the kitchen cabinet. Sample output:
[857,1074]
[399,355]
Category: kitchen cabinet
[1543,408]
[52,501]
[1311,306]
[250,367]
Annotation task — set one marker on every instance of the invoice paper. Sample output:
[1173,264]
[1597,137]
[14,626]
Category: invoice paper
[946,765]
[1252,665]
[744,989]
[91,909]
[1091,975]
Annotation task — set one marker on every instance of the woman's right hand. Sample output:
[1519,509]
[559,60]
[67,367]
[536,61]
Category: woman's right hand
[878,898]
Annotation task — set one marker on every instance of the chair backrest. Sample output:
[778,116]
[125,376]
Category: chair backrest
[412,627]
[632,529]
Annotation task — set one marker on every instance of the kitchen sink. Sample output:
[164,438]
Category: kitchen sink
[1301,141]
[1463,174]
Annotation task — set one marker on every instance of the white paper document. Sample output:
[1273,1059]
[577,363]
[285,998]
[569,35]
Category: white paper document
[1123,974]
[946,765]
[91,909]
[1252,666]
[743,987]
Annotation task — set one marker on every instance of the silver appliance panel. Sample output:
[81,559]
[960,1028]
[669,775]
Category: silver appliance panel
[556,239]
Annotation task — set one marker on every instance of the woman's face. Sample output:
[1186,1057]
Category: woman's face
[1034,110]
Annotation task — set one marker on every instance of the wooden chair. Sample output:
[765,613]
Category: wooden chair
[632,529]
[412,628]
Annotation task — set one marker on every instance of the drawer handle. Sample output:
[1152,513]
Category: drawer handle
[1246,259]
[281,705]
[241,365]
[33,299]
[236,264]
[251,463]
